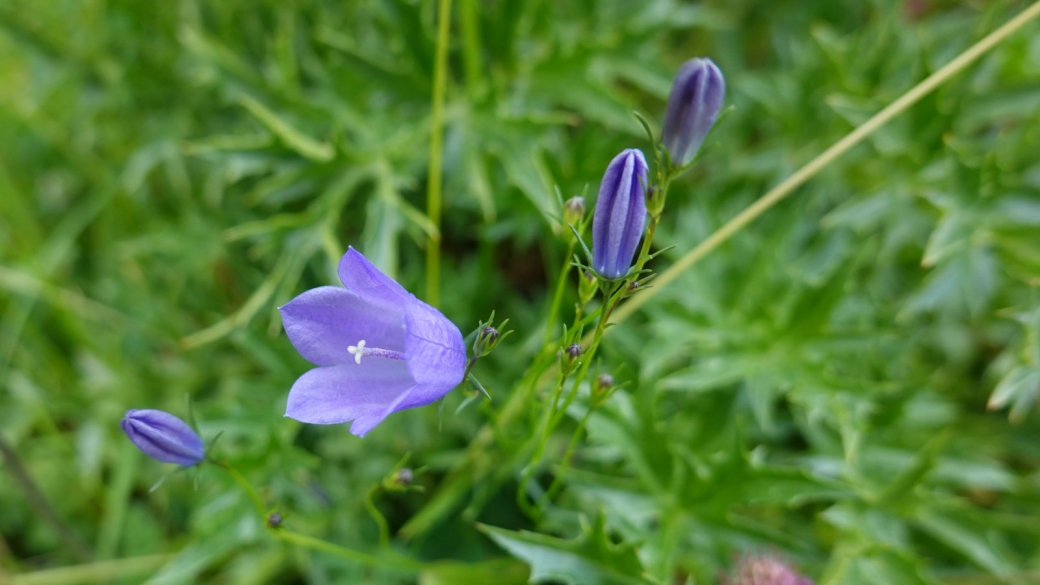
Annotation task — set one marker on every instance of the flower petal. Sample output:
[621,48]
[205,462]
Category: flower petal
[362,277]
[365,393]
[323,322]
[436,354]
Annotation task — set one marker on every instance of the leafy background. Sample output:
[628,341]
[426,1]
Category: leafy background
[848,383]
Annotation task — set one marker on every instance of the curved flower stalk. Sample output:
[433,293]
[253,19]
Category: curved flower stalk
[693,106]
[620,216]
[163,437]
[378,349]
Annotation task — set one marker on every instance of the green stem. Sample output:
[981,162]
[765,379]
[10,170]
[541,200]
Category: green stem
[471,45]
[557,482]
[100,572]
[561,286]
[433,183]
[377,516]
[528,472]
[394,561]
[37,499]
[389,562]
[254,496]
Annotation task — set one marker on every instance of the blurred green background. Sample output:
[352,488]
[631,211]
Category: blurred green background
[848,383]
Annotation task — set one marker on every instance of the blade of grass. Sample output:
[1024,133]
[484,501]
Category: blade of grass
[433,183]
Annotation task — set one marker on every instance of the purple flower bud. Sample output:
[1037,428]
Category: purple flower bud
[620,216]
[573,351]
[164,437]
[693,105]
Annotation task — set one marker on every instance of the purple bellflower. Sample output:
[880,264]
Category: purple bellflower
[378,349]
[620,216]
[693,105]
[164,437]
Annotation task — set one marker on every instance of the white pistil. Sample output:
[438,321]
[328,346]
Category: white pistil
[357,351]
[360,350]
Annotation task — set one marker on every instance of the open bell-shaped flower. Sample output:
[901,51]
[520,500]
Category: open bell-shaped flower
[378,349]
[620,216]
[164,437]
[693,106]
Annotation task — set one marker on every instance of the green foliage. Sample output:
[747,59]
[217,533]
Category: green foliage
[850,382]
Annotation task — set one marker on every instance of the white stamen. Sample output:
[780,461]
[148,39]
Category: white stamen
[357,351]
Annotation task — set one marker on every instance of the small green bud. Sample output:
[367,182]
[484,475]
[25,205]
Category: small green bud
[602,383]
[404,477]
[569,357]
[587,287]
[655,201]
[574,211]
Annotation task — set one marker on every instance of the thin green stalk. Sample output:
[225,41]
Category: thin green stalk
[778,193]
[528,472]
[100,572]
[377,516]
[470,45]
[557,482]
[433,183]
[258,502]
[395,562]
[561,287]
[38,500]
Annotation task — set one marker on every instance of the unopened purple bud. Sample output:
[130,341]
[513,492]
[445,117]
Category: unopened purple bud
[693,106]
[274,520]
[620,215]
[163,437]
[573,351]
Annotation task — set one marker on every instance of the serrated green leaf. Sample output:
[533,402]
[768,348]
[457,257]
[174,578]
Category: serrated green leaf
[589,559]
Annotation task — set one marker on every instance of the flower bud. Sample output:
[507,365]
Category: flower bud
[620,216]
[487,337]
[570,357]
[574,210]
[602,383]
[274,520]
[404,477]
[693,105]
[655,201]
[163,437]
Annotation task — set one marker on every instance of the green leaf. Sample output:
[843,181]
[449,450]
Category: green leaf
[590,559]
[293,138]
[498,571]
